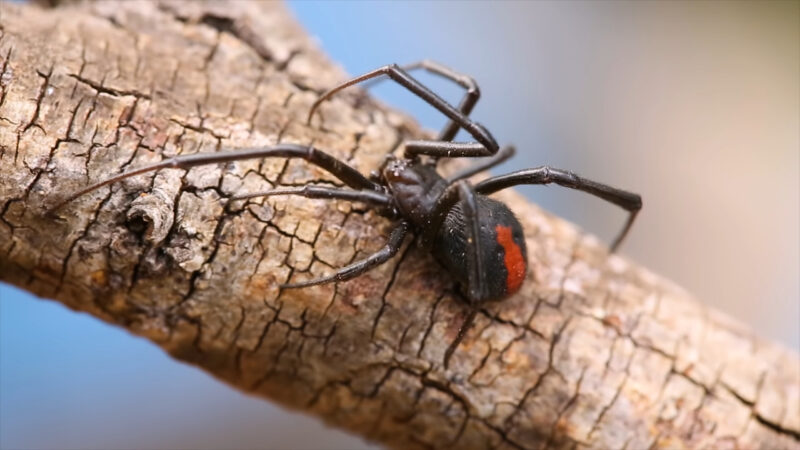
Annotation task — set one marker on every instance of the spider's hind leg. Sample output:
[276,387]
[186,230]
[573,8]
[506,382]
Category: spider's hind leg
[544,175]
[477,288]
[462,331]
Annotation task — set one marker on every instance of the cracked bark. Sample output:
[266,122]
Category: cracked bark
[593,352]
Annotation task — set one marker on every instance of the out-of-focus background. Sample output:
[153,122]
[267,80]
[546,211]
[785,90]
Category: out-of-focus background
[694,105]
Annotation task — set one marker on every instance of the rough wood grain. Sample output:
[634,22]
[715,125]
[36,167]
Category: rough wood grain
[593,352]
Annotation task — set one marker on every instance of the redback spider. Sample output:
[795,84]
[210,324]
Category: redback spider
[477,239]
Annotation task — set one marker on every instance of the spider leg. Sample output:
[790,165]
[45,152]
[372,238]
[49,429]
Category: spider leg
[463,191]
[487,145]
[544,175]
[469,100]
[475,273]
[462,331]
[444,203]
[473,260]
[443,149]
[364,196]
[505,153]
[391,248]
[338,168]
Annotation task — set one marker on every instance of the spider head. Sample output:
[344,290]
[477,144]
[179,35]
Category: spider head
[400,172]
[415,186]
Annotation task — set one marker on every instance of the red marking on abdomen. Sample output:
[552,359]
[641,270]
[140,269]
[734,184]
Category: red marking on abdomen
[513,260]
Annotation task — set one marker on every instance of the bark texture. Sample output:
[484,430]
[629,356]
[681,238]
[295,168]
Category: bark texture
[593,352]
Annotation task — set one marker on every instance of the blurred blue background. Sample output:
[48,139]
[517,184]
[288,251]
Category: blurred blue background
[694,105]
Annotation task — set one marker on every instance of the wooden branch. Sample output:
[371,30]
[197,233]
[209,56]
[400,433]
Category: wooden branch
[593,352]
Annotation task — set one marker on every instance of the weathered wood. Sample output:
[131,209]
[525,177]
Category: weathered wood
[594,351]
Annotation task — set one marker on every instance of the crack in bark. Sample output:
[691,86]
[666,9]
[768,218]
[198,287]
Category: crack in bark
[5,80]
[794,434]
[392,278]
[39,98]
[108,90]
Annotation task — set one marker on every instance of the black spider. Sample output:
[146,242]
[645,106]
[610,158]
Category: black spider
[476,238]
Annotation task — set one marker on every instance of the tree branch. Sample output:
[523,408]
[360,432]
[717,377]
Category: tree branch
[594,351]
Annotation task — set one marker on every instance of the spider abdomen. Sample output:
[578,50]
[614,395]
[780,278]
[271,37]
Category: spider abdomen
[500,249]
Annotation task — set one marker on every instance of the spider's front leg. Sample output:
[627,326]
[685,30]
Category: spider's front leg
[471,96]
[486,145]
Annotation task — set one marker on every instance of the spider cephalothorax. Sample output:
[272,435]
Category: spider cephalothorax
[477,239]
